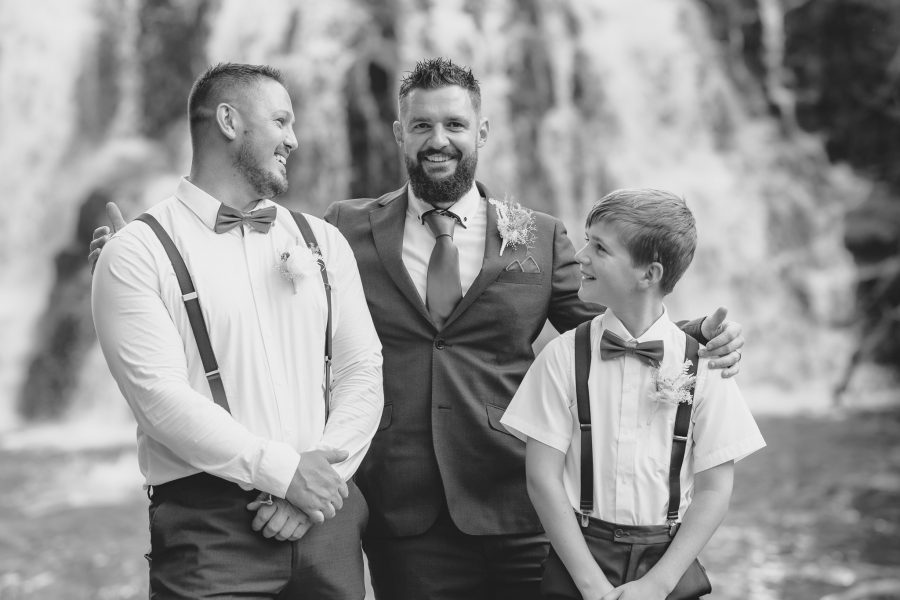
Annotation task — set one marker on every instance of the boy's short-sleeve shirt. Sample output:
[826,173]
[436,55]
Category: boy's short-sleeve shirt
[631,429]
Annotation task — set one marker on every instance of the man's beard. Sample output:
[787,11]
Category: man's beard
[265,184]
[444,191]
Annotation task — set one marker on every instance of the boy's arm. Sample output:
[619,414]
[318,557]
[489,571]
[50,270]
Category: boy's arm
[544,467]
[712,493]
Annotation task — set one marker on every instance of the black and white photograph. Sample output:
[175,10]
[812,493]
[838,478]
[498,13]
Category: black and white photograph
[450,299]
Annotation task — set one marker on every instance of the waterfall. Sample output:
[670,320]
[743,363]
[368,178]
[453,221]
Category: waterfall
[583,97]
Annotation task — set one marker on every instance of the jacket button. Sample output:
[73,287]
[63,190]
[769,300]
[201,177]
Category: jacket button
[439,344]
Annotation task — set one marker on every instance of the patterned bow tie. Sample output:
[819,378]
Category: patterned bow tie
[260,220]
[612,346]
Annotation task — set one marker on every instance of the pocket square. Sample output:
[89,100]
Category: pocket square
[529,265]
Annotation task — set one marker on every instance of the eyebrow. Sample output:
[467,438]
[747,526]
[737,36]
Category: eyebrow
[283,112]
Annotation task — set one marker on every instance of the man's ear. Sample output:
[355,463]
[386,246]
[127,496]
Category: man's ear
[398,133]
[483,129]
[227,120]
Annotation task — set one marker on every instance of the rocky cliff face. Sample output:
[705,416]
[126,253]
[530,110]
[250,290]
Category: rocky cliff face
[583,97]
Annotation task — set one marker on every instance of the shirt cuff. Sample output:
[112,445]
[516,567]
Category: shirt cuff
[276,468]
[735,452]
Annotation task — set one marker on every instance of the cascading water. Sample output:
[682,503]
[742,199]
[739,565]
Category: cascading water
[583,97]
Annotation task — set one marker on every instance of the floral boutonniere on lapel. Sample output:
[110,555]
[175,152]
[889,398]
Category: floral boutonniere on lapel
[300,261]
[675,390]
[515,224]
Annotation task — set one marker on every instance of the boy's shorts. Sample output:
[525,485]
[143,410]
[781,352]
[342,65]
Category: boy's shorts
[625,553]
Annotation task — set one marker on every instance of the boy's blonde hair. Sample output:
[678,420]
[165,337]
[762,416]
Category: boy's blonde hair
[654,225]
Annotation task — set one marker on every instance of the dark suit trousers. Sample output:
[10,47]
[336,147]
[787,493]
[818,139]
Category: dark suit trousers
[202,546]
[445,564]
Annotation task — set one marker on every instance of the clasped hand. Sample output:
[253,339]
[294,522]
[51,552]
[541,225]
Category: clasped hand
[640,589]
[316,488]
[279,519]
[316,493]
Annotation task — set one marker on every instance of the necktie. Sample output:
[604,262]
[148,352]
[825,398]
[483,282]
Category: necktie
[260,220]
[442,288]
[612,346]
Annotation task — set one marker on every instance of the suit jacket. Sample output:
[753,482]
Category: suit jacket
[445,389]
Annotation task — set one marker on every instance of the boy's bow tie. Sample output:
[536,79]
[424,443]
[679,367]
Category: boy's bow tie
[260,220]
[612,346]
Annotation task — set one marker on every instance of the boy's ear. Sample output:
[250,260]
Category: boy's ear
[652,275]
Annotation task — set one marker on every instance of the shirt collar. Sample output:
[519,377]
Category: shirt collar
[657,331]
[205,206]
[464,208]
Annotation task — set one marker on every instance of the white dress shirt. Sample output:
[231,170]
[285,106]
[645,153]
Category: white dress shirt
[631,432]
[418,241]
[269,342]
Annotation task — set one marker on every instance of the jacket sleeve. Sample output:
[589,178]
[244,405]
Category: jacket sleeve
[566,309]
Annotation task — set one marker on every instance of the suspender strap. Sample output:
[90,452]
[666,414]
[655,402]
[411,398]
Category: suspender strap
[195,315]
[582,399]
[679,438]
[310,239]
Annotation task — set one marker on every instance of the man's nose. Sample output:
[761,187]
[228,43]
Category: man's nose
[291,140]
[438,137]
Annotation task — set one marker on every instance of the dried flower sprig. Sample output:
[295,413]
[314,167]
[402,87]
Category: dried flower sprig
[675,390]
[300,261]
[515,224]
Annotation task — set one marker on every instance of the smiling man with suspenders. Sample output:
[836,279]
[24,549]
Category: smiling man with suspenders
[224,319]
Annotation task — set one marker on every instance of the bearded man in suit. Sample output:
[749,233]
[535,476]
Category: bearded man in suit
[445,482]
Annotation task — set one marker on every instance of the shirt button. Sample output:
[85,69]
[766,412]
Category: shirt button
[439,344]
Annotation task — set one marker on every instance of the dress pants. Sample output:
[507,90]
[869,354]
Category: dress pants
[202,546]
[624,553]
[446,564]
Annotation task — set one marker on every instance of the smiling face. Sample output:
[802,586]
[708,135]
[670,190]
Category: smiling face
[439,132]
[608,275]
[267,138]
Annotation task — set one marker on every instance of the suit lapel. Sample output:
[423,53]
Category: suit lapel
[492,263]
[388,222]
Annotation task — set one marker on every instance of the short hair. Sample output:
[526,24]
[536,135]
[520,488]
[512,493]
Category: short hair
[654,226]
[218,81]
[434,73]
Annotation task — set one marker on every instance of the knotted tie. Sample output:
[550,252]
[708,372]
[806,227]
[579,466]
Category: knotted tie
[442,288]
[260,220]
[612,346]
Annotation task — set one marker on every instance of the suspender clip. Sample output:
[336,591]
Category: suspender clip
[585,519]
[673,527]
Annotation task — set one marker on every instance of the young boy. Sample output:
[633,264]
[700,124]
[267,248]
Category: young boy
[621,543]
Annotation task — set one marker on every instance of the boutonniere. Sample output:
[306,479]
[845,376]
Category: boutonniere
[515,224]
[675,390]
[300,261]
